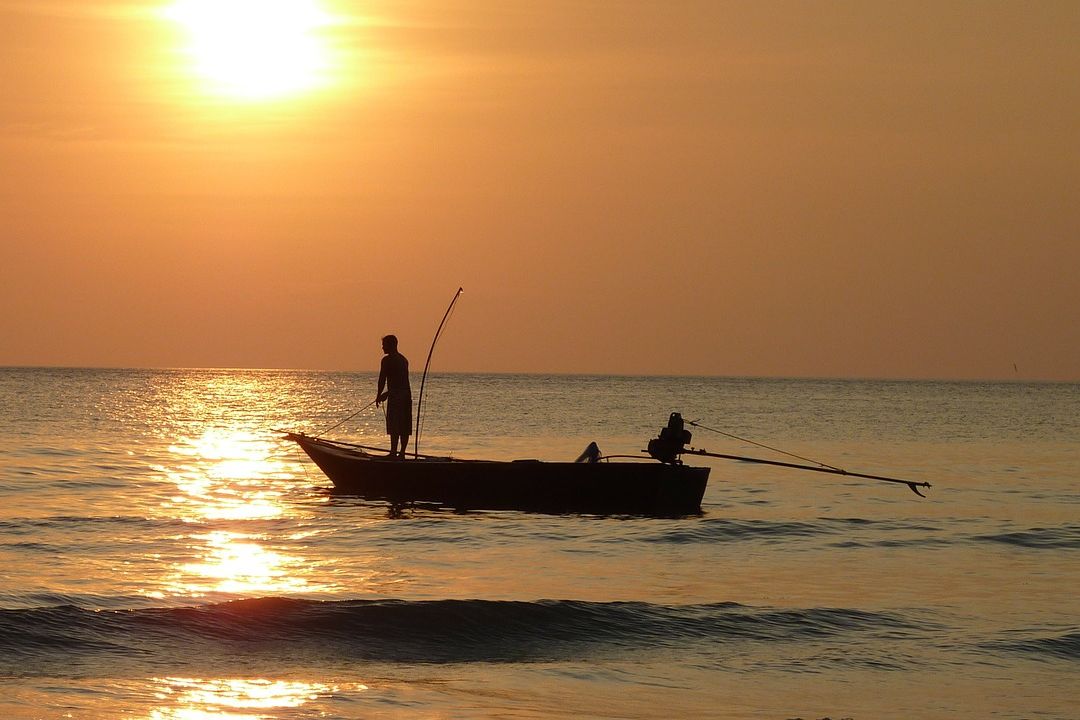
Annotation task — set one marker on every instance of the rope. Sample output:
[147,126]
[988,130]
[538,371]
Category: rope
[300,462]
[761,445]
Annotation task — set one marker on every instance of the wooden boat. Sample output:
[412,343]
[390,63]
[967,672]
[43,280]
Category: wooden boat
[660,485]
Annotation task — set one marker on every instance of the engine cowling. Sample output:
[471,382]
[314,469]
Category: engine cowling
[672,441]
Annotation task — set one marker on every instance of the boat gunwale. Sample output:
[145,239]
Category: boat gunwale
[360,452]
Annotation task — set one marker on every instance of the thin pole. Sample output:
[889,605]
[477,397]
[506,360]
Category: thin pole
[423,378]
[832,471]
[694,423]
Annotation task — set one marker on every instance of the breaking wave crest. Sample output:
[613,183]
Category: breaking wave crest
[441,631]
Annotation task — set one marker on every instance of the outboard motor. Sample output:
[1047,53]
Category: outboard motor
[672,441]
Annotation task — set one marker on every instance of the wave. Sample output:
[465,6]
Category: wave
[728,530]
[1057,647]
[49,639]
[731,530]
[1064,536]
[17,527]
[859,533]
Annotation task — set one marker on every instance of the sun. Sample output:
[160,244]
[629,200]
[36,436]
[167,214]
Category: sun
[255,49]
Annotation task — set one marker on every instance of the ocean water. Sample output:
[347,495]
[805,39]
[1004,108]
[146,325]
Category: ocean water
[163,554]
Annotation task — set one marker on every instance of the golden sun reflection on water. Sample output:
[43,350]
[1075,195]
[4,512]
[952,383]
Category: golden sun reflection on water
[238,563]
[233,699]
[234,477]
[228,476]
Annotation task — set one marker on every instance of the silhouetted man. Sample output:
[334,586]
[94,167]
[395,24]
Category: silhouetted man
[394,376]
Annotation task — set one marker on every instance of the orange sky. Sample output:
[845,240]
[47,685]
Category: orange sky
[853,189]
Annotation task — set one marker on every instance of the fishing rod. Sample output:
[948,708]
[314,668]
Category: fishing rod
[423,378]
[831,470]
[342,422]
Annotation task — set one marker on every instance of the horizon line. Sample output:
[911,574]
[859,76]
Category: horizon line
[818,378]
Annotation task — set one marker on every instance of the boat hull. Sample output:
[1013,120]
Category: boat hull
[645,488]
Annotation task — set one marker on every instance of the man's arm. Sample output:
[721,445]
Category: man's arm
[379,394]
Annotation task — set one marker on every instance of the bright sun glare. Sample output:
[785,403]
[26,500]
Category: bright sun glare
[255,49]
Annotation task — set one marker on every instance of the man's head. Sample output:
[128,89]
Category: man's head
[389,343]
